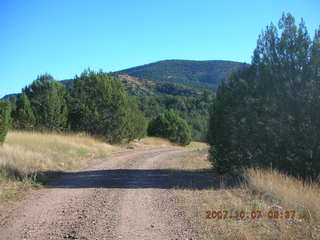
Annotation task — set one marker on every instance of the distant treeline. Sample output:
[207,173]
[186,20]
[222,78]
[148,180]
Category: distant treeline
[94,102]
[268,115]
[194,109]
[191,104]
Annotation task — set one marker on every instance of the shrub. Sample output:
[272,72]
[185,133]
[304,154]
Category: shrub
[100,106]
[268,114]
[23,116]
[169,125]
[5,110]
[48,103]
[136,121]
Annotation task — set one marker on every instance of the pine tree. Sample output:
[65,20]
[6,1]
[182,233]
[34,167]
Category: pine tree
[23,116]
[5,110]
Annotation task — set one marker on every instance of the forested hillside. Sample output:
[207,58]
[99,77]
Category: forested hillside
[156,97]
[198,74]
[141,87]
[188,94]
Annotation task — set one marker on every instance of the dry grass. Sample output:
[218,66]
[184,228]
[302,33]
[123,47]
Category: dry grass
[282,190]
[29,158]
[198,146]
[25,154]
[150,142]
[264,191]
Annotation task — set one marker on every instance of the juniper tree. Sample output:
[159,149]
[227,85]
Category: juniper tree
[5,110]
[99,105]
[169,125]
[136,121]
[23,116]
[48,102]
[268,115]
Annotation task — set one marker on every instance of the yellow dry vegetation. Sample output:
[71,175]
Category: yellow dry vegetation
[258,190]
[198,146]
[30,158]
[25,154]
[150,142]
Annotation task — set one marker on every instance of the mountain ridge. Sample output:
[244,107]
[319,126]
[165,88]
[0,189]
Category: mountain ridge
[200,74]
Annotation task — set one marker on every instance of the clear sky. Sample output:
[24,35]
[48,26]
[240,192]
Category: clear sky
[63,37]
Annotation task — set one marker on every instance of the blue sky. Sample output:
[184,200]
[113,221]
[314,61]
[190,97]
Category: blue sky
[63,37]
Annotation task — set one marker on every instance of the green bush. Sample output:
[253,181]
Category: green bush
[23,116]
[268,115]
[136,121]
[100,106]
[169,125]
[5,110]
[48,102]
[194,109]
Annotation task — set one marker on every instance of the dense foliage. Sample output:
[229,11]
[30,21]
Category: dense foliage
[23,115]
[154,98]
[191,73]
[169,125]
[269,114]
[48,102]
[5,111]
[95,103]
[193,109]
[100,106]
[137,123]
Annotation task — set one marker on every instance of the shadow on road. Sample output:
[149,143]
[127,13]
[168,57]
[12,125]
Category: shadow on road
[140,178]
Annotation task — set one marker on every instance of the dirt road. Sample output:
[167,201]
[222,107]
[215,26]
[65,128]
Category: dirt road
[127,196]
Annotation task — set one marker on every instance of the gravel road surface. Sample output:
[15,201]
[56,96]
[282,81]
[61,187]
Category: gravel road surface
[127,196]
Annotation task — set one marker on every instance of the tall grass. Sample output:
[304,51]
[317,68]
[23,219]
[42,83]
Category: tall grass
[25,154]
[283,190]
[29,158]
[259,189]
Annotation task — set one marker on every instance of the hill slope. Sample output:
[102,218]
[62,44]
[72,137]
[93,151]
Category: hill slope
[204,75]
[141,87]
[184,86]
[155,97]
[198,74]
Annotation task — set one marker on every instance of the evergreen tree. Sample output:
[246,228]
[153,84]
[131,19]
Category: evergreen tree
[137,123]
[268,115]
[193,109]
[99,105]
[48,102]
[23,116]
[5,110]
[169,125]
